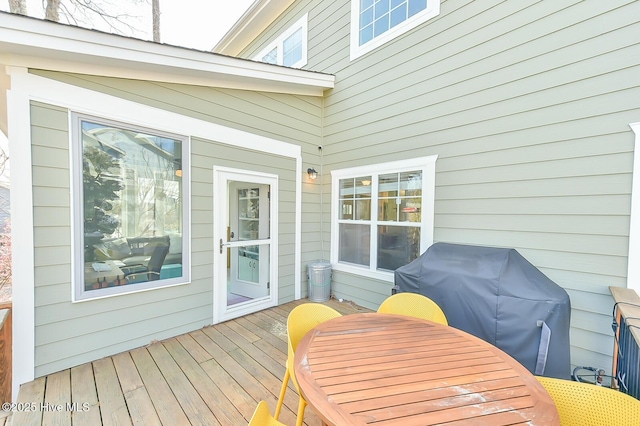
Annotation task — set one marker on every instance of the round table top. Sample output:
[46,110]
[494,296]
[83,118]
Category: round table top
[392,369]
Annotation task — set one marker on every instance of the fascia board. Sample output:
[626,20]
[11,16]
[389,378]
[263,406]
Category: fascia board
[34,43]
[253,22]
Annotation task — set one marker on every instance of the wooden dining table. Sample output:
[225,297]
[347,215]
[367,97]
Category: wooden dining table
[387,369]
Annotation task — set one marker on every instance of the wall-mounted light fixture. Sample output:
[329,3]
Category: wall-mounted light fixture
[313,175]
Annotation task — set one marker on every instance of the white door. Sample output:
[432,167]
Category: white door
[245,268]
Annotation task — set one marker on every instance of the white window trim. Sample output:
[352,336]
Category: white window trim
[278,43]
[432,10]
[428,167]
[79,294]
[633,267]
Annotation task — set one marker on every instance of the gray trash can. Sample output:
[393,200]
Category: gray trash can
[319,274]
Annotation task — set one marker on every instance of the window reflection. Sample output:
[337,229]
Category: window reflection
[398,197]
[132,206]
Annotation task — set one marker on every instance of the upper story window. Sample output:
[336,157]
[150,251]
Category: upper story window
[131,215]
[382,216]
[289,49]
[375,22]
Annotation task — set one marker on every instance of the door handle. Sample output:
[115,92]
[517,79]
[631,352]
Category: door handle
[222,245]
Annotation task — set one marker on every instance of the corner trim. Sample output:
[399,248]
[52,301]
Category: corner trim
[18,113]
[633,268]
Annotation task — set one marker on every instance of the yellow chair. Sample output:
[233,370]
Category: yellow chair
[301,320]
[585,404]
[262,416]
[414,305]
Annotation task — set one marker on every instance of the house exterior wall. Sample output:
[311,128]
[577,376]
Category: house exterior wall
[527,105]
[288,118]
[68,334]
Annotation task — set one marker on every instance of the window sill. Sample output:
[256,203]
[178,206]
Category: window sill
[109,292]
[355,270]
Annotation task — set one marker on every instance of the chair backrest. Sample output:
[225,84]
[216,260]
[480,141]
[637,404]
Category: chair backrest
[157,259]
[414,305]
[585,404]
[262,416]
[304,317]
[300,321]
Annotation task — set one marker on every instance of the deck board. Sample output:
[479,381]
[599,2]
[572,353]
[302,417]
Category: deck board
[83,393]
[57,395]
[136,396]
[112,404]
[164,401]
[213,376]
[31,394]
[191,402]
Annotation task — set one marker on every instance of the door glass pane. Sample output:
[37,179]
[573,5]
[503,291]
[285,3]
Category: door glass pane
[248,264]
[354,243]
[248,275]
[397,246]
[249,215]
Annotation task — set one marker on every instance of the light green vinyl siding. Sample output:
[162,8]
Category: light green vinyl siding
[69,334]
[527,105]
[212,154]
[288,118]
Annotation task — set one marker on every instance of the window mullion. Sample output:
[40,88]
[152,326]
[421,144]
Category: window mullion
[425,223]
[373,248]
[280,52]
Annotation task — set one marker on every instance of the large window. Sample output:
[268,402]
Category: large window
[289,49]
[375,22]
[382,215]
[130,209]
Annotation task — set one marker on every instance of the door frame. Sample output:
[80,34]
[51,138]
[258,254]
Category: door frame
[221,177]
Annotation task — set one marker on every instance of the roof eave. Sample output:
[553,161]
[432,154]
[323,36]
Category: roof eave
[253,22]
[33,43]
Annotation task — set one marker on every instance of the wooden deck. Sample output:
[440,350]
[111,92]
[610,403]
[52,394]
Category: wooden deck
[212,376]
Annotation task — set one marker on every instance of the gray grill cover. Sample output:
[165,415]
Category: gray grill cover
[498,296]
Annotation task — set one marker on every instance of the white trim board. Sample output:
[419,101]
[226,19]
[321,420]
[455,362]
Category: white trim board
[278,43]
[22,233]
[36,43]
[428,165]
[633,267]
[221,176]
[249,26]
[27,87]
